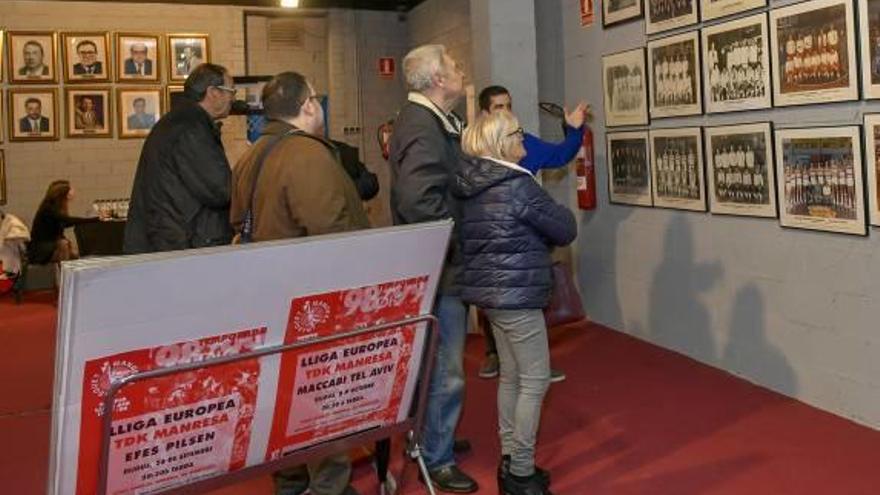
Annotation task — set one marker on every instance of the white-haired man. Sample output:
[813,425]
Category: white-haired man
[425,151]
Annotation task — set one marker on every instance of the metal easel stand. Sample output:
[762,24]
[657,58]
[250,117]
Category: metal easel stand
[411,426]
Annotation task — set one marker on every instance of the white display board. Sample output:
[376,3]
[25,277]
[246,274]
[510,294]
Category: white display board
[129,314]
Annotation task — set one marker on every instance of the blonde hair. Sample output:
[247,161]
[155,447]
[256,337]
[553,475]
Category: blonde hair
[492,135]
[421,65]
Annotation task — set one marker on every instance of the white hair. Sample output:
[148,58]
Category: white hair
[421,65]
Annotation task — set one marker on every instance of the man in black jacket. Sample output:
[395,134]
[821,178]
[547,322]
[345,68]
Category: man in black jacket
[181,193]
[425,153]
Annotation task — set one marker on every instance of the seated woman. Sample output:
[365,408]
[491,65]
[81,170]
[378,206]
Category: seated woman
[48,244]
[507,228]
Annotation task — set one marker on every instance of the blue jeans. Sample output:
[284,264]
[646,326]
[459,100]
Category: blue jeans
[446,390]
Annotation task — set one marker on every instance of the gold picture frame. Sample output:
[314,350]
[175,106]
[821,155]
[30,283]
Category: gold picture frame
[130,68]
[84,64]
[88,120]
[2,56]
[43,126]
[182,61]
[2,179]
[144,114]
[28,65]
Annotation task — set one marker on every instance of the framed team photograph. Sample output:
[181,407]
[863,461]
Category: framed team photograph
[629,172]
[713,9]
[32,57]
[872,160]
[88,113]
[663,15]
[138,110]
[86,57]
[137,58]
[677,168]
[616,11]
[2,178]
[740,170]
[736,65]
[674,70]
[32,114]
[813,44]
[185,53]
[625,84]
[869,21]
[819,179]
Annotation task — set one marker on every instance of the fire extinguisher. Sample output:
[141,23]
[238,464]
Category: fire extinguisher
[586,173]
[383,135]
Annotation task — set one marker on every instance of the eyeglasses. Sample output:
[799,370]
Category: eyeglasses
[226,88]
[520,132]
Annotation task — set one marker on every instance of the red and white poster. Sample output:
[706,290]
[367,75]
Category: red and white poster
[351,384]
[171,430]
[588,12]
[124,315]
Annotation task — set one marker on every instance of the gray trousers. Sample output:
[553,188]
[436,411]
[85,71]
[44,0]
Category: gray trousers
[329,476]
[524,356]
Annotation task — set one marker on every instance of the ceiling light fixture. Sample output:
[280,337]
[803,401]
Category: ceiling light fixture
[290,4]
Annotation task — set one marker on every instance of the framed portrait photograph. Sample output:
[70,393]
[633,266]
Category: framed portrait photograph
[736,65]
[629,172]
[616,11]
[185,53]
[86,57]
[663,15]
[32,57]
[677,168]
[88,113]
[137,58]
[674,68]
[869,22]
[740,170]
[626,88]
[138,110]
[32,114]
[713,9]
[872,161]
[819,179]
[813,44]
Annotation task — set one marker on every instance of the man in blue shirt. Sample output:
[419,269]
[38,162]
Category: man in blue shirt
[539,155]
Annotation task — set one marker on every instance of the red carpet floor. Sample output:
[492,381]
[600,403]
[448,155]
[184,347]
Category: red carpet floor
[630,419]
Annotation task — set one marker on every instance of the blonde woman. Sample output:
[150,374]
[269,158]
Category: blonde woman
[508,226]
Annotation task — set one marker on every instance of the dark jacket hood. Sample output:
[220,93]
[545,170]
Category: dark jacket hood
[478,174]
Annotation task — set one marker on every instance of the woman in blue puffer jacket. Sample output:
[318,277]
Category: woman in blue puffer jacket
[507,228]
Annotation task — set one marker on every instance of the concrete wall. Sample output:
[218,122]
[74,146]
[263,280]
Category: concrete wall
[792,310]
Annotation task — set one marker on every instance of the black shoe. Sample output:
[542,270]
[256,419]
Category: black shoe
[504,471]
[451,479]
[461,445]
[515,485]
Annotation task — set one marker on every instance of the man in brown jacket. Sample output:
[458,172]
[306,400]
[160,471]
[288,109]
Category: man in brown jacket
[301,190]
